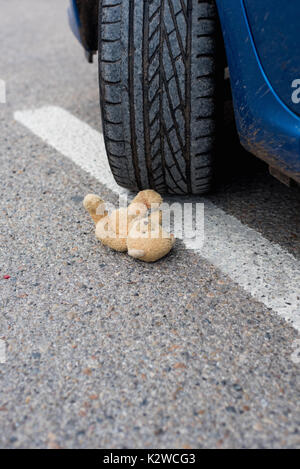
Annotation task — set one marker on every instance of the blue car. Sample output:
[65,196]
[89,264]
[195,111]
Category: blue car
[162,66]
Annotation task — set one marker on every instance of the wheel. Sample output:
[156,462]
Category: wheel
[161,73]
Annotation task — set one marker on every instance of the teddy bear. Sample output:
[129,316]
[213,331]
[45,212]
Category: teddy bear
[136,229]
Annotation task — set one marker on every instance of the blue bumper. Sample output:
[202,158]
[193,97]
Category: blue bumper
[74,20]
[77,29]
[266,125]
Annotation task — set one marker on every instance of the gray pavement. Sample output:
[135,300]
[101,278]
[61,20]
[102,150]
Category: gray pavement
[103,351]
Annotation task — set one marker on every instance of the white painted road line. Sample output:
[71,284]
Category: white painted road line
[72,138]
[265,270]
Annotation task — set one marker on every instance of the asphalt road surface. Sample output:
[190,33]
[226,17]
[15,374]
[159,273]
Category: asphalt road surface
[100,351]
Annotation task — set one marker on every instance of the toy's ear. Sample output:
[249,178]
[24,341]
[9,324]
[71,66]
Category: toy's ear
[149,198]
[136,253]
[95,206]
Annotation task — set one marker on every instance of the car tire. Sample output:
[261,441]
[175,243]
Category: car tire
[161,74]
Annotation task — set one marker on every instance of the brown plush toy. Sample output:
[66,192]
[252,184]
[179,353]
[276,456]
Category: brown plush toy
[136,229]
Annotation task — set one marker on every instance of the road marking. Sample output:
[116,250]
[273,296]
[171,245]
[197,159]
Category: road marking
[2,351]
[265,270]
[2,92]
[73,138]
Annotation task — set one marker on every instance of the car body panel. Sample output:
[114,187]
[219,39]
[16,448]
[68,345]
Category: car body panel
[276,33]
